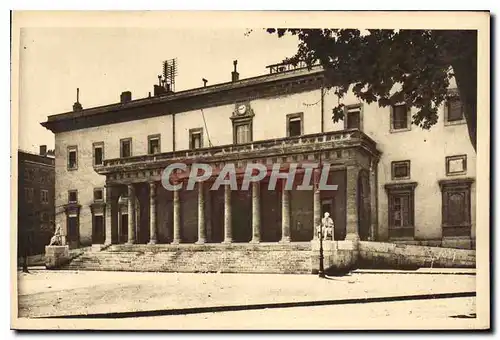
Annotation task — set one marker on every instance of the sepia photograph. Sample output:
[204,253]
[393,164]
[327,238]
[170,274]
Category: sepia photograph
[230,171]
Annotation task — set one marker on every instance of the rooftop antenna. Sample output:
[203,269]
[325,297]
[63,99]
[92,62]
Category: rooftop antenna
[169,72]
[204,82]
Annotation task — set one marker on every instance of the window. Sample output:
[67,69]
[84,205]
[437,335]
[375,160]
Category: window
[456,165]
[44,217]
[72,196]
[98,194]
[26,174]
[72,158]
[243,134]
[352,119]
[28,194]
[196,138]
[400,118]
[456,206]
[44,196]
[294,124]
[453,109]
[126,147]
[401,209]
[98,156]
[400,170]
[153,144]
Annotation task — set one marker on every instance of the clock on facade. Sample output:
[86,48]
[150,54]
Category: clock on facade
[242,109]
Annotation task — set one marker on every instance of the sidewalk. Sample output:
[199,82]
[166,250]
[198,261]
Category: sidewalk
[58,293]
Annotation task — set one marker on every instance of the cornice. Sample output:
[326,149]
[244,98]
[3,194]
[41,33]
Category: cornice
[216,95]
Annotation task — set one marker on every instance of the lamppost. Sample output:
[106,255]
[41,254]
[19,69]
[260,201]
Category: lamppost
[321,272]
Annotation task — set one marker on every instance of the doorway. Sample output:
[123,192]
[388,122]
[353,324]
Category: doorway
[124,228]
[98,230]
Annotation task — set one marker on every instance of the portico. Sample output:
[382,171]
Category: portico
[135,194]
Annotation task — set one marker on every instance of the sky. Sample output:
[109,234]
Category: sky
[103,62]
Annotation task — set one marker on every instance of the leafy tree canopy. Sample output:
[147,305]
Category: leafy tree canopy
[394,66]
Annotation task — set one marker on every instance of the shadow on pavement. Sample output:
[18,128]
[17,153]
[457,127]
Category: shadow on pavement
[213,309]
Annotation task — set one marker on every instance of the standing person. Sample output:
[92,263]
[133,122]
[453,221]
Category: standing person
[327,225]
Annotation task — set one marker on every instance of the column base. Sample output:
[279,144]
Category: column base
[352,237]
[285,240]
[227,241]
[152,242]
[200,242]
[130,242]
[175,242]
[255,241]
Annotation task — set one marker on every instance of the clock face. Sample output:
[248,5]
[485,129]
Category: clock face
[242,109]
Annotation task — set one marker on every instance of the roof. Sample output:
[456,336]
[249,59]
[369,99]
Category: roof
[182,95]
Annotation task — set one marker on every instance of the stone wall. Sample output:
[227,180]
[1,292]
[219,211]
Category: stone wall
[402,256]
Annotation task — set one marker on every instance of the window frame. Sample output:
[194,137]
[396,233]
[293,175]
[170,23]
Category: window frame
[97,145]
[69,196]
[401,189]
[293,116]
[72,148]
[393,171]
[351,108]
[29,194]
[46,201]
[102,194]
[448,159]
[123,140]
[392,120]
[452,94]
[192,132]
[151,138]
[242,123]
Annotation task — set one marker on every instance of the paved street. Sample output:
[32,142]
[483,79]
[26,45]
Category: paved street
[56,293]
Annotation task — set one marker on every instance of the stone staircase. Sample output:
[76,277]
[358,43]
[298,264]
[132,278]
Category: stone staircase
[233,258]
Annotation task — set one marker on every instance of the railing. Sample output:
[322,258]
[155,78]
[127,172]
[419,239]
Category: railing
[286,66]
[269,144]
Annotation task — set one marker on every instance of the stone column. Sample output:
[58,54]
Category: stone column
[373,201]
[152,213]
[228,228]
[177,218]
[131,214]
[108,215]
[352,202]
[255,212]
[285,213]
[201,214]
[208,214]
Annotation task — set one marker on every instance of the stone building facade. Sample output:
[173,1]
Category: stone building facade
[36,198]
[396,182]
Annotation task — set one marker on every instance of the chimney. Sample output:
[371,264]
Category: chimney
[235,76]
[77,106]
[204,82]
[125,97]
[43,150]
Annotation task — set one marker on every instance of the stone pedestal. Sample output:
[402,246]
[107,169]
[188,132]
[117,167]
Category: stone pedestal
[338,256]
[56,256]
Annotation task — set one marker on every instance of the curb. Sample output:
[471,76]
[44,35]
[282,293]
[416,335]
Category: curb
[197,310]
[422,271]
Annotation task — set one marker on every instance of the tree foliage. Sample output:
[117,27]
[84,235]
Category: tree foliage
[394,66]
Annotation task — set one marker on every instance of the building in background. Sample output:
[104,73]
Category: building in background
[35,216]
[396,182]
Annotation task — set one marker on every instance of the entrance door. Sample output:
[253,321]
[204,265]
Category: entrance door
[124,228]
[98,230]
[73,231]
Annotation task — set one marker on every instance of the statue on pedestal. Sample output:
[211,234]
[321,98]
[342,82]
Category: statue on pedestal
[56,240]
[327,227]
